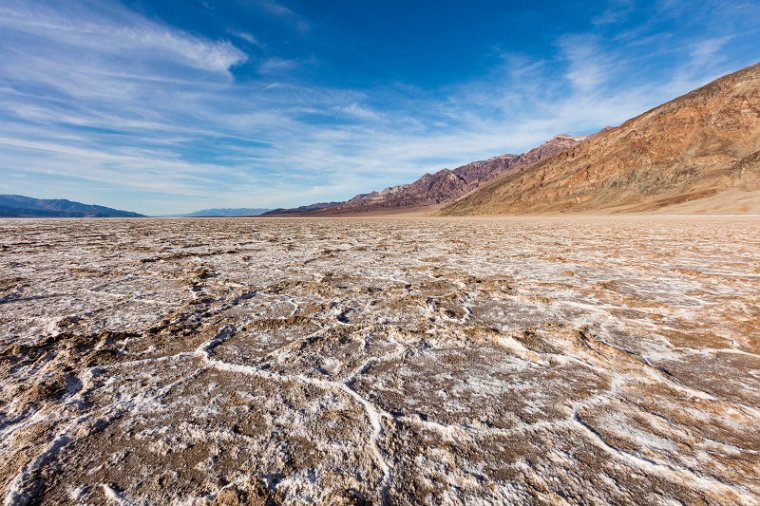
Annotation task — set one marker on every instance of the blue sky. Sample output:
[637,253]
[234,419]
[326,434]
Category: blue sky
[167,106]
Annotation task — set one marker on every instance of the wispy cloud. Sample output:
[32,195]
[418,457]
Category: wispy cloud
[272,66]
[128,36]
[248,37]
[616,11]
[280,10]
[586,62]
[706,50]
[102,104]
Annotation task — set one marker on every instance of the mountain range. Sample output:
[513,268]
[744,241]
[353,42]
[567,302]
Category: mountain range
[17,206]
[448,185]
[697,153]
[432,190]
[227,212]
[296,211]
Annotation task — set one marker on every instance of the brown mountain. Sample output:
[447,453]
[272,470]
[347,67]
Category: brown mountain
[697,153]
[447,185]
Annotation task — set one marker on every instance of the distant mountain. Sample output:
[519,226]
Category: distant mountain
[225,212]
[17,206]
[301,210]
[441,187]
[697,153]
[448,185]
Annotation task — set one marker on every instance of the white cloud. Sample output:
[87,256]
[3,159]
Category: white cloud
[281,11]
[359,111]
[130,36]
[616,12]
[105,98]
[248,37]
[276,65]
[586,62]
[704,51]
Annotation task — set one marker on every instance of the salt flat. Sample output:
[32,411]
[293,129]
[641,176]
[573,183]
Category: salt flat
[387,361]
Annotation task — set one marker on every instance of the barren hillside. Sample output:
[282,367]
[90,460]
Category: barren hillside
[703,146]
[432,191]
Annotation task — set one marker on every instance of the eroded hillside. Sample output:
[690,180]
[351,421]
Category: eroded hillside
[704,145]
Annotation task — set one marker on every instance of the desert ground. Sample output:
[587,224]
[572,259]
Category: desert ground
[585,360]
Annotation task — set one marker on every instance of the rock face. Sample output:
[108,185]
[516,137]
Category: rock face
[448,185]
[17,206]
[700,146]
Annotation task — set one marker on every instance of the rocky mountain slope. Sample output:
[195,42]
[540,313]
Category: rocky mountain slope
[442,187]
[701,147]
[448,185]
[17,206]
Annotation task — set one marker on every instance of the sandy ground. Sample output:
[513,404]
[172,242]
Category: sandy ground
[731,201]
[380,361]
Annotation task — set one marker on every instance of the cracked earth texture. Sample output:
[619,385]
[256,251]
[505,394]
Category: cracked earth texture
[395,361]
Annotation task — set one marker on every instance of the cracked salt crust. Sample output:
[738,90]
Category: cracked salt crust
[477,361]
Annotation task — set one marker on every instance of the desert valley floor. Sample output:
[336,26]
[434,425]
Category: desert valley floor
[380,361]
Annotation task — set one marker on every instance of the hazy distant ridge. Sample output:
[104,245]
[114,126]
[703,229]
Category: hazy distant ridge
[18,206]
[301,210]
[227,212]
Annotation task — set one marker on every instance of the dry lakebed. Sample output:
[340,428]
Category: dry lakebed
[554,360]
